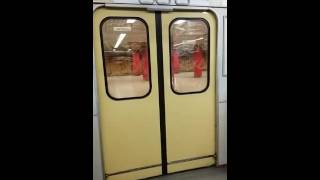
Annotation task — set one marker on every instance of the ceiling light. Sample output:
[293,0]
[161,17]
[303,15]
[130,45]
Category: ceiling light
[131,20]
[120,38]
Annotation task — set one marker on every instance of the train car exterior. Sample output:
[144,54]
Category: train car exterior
[164,130]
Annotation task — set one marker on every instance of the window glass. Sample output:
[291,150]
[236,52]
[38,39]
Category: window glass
[126,57]
[189,48]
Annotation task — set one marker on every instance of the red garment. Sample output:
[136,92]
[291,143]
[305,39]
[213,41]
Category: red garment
[198,62]
[136,64]
[175,62]
[145,62]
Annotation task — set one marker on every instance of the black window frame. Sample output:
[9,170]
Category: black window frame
[103,58]
[209,57]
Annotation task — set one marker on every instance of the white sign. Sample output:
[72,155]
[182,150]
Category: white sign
[122,29]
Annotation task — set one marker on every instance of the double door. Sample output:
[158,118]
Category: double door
[156,90]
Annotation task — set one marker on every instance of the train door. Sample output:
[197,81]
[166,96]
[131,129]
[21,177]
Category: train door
[156,90]
[126,66]
[189,59]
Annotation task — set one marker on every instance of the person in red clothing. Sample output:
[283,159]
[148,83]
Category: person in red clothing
[136,63]
[198,61]
[175,62]
[145,64]
[136,58]
[140,60]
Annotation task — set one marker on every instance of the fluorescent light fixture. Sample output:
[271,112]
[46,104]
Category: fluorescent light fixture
[181,29]
[188,41]
[198,39]
[120,38]
[180,21]
[178,44]
[131,20]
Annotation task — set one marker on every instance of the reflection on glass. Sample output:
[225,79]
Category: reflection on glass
[189,55]
[125,45]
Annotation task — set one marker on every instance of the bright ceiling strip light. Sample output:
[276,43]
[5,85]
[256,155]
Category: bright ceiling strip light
[131,20]
[180,21]
[182,29]
[188,41]
[120,38]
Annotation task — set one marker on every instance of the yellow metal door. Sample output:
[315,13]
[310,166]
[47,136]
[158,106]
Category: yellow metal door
[126,65]
[189,60]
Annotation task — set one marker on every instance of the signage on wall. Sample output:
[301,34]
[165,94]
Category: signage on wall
[122,29]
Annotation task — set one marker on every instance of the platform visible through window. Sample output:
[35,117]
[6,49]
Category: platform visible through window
[189,51]
[126,57]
